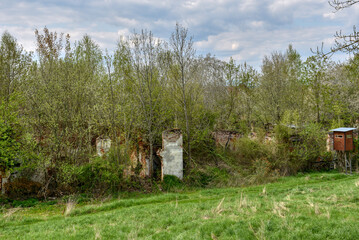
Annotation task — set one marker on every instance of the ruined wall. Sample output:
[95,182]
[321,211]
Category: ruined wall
[172,153]
[103,145]
[226,139]
[139,158]
[3,179]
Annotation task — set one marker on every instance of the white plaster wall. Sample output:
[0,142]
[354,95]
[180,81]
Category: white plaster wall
[172,158]
[103,145]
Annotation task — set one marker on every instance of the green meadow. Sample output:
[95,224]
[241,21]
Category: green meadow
[307,206]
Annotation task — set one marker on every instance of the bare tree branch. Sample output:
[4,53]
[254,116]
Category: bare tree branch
[339,5]
[347,43]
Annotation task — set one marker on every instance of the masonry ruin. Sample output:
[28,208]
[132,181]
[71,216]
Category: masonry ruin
[3,180]
[226,139]
[172,153]
[103,146]
[139,158]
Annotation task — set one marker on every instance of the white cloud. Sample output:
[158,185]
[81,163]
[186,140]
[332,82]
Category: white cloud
[251,45]
[246,29]
[329,15]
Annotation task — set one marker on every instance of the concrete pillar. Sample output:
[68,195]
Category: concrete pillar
[172,153]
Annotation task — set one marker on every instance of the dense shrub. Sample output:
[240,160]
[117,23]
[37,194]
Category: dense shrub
[9,147]
[248,150]
[198,178]
[98,175]
[312,145]
[171,183]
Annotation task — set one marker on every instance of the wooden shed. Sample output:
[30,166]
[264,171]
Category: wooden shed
[343,139]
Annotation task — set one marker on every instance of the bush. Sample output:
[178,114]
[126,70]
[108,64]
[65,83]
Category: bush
[198,178]
[99,175]
[295,149]
[171,183]
[249,150]
[9,147]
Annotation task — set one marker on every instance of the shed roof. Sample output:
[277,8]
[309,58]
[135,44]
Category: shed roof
[342,129]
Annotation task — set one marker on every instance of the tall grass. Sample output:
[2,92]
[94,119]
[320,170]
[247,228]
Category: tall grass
[313,206]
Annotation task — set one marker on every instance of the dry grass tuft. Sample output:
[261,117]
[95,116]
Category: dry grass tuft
[288,197]
[10,212]
[333,198]
[314,206]
[213,236]
[69,207]
[97,233]
[327,214]
[254,208]
[264,192]
[260,233]
[219,208]
[243,202]
[280,209]
[316,209]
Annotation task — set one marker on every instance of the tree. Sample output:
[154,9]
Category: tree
[338,5]
[181,69]
[316,79]
[14,67]
[348,43]
[63,97]
[123,75]
[280,90]
[144,84]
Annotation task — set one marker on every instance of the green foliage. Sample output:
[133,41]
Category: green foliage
[9,147]
[282,133]
[171,183]
[54,107]
[208,176]
[313,143]
[25,203]
[198,178]
[98,175]
[296,148]
[248,150]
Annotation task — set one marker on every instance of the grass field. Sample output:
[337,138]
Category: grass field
[311,206]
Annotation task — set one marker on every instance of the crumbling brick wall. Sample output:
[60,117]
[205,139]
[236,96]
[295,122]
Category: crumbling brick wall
[226,139]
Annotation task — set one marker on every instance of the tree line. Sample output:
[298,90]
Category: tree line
[56,101]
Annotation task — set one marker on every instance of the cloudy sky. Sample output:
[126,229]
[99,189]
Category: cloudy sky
[244,29]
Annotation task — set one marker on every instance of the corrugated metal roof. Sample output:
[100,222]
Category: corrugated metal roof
[342,129]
